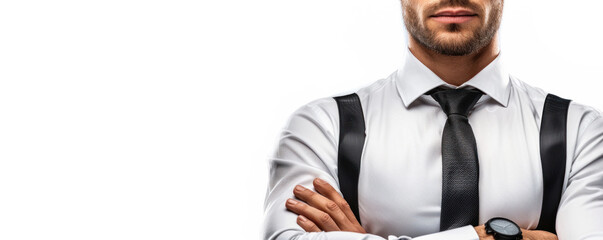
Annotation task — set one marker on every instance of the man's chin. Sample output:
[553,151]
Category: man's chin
[459,41]
[454,44]
[453,48]
[454,35]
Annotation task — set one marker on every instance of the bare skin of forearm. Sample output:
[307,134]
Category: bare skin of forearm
[527,234]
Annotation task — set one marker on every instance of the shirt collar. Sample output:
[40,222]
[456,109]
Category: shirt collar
[415,79]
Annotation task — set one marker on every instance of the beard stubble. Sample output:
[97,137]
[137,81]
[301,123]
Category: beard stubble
[476,40]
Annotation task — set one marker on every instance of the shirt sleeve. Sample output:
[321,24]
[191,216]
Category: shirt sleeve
[580,214]
[307,149]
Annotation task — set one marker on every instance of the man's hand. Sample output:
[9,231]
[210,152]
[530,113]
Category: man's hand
[323,211]
[527,234]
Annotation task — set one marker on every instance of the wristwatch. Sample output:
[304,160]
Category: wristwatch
[503,229]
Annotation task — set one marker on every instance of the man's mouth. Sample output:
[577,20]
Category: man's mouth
[454,15]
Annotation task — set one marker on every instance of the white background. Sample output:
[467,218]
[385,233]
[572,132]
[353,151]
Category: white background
[125,119]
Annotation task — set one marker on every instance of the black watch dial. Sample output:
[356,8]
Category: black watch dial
[505,227]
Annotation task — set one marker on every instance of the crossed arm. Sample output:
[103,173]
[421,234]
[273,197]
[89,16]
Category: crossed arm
[326,210]
[308,149]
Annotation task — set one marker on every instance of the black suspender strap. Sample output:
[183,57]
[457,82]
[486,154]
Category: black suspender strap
[351,143]
[553,156]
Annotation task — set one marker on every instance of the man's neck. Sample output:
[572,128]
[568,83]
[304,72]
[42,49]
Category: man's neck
[455,70]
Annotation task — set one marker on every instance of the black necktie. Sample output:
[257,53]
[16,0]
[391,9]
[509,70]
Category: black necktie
[460,168]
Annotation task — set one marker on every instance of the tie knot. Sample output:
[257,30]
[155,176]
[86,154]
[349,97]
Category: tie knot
[456,101]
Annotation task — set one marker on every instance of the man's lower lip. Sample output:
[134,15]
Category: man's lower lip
[452,19]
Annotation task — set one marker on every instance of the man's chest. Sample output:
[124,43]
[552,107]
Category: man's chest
[400,181]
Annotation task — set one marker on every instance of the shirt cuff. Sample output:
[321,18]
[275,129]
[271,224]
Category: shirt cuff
[463,233]
[295,234]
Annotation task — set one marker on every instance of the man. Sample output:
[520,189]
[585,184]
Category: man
[451,100]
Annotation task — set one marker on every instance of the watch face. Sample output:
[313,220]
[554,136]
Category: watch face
[505,227]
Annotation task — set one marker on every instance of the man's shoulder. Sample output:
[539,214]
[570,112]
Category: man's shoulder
[328,104]
[523,89]
[578,112]
[324,111]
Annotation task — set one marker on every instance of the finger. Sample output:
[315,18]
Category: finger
[327,190]
[322,219]
[307,224]
[324,204]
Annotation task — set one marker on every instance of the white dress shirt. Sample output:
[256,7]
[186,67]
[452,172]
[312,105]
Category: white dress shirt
[400,183]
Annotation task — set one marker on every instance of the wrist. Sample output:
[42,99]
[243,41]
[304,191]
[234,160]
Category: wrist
[503,229]
[481,232]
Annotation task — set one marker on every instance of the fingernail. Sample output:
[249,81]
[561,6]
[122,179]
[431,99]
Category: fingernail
[302,218]
[320,181]
[299,188]
[291,201]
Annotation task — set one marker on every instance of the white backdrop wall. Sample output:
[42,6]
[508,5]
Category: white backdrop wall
[154,119]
